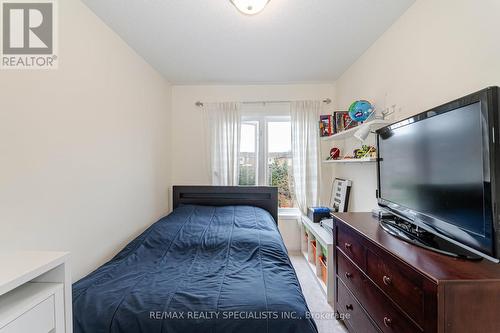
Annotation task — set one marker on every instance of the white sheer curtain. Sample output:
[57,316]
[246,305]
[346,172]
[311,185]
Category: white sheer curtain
[305,152]
[223,129]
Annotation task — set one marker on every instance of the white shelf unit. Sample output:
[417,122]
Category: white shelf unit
[317,232]
[33,307]
[35,292]
[353,160]
[374,125]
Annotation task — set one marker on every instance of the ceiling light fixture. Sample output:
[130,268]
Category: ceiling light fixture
[250,7]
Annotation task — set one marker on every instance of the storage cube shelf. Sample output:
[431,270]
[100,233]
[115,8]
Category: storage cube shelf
[312,232]
[313,254]
[324,269]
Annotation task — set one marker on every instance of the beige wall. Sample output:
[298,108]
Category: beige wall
[84,150]
[437,51]
[189,153]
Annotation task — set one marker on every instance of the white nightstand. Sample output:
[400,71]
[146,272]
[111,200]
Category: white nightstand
[35,292]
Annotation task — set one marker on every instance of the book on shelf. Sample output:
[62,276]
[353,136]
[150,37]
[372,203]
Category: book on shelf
[325,125]
[342,121]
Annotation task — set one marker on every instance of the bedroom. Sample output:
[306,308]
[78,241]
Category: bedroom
[120,101]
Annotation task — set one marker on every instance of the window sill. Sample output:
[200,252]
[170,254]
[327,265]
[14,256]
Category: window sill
[289,214]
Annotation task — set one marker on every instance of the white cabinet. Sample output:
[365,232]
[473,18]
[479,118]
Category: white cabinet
[35,293]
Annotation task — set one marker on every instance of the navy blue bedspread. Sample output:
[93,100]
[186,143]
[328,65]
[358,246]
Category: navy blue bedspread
[200,269]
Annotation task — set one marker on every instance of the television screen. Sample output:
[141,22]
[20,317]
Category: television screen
[435,167]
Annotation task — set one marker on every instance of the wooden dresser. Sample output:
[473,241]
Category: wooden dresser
[383,284]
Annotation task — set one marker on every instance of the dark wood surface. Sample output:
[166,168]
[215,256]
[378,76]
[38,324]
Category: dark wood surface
[399,287]
[373,300]
[358,320]
[265,197]
[399,282]
[436,266]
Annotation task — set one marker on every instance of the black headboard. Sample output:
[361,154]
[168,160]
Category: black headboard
[265,197]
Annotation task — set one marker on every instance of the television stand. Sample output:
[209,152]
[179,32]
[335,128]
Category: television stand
[410,233]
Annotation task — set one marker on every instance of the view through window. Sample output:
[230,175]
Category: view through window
[266,155]
[248,153]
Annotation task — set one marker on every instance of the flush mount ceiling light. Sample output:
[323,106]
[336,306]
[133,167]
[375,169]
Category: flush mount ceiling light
[250,7]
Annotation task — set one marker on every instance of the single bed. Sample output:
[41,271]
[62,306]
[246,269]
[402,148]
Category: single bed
[217,263]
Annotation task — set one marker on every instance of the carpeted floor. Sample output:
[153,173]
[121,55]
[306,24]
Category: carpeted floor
[316,299]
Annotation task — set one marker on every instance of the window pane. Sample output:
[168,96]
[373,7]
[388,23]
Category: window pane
[279,136]
[280,174]
[280,161]
[248,142]
[248,154]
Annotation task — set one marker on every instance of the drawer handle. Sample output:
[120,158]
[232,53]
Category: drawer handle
[387,280]
[387,321]
[349,307]
[348,246]
[348,275]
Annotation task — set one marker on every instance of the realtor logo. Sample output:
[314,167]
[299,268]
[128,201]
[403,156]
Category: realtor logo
[28,34]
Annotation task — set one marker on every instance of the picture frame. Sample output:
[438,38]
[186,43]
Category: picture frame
[339,198]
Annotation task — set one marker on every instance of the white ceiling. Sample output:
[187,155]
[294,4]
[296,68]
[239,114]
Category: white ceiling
[209,41]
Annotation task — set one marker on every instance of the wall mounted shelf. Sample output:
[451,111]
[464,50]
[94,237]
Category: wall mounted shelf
[353,160]
[374,125]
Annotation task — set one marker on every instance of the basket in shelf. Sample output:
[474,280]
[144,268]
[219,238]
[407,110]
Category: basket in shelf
[322,263]
[313,246]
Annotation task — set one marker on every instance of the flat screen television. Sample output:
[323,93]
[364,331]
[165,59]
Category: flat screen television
[440,169]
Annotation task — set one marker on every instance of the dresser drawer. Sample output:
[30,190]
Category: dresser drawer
[354,315]
[351,245]
[401,283]
[39,319]
[33,308]
[381,309]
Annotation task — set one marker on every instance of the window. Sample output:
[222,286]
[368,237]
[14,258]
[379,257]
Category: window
[279,160]
[248,153]
[266,155]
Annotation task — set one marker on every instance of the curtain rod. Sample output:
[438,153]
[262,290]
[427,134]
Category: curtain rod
[326,101]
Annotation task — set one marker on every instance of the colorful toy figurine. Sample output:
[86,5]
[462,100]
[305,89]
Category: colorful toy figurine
[365,151]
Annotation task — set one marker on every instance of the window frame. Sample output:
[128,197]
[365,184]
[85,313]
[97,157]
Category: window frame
[262,153]
[256,123]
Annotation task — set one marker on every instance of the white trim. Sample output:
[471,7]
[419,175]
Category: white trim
[289,214]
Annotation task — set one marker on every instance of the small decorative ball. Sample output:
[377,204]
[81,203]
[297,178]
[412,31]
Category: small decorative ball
[334,153]
[360,110]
